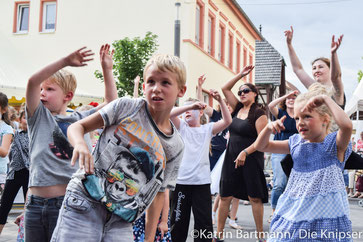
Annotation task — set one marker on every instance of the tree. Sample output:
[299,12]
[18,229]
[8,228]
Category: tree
[129,59]
[360,75]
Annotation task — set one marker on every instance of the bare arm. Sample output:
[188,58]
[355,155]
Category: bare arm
[208,110]
[335,71]
[226,116]
[227,88]
[272,105]
[341,119]
[136,86]
[76,132]
[177,111]
[107,67]
[152,216]
[263,142]
[5,145]
[297,67]
[163,226]
[32,94]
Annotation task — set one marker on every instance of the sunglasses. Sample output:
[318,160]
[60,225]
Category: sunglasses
[245,91]
[131,186]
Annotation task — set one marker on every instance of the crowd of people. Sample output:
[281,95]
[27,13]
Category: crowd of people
[152,163]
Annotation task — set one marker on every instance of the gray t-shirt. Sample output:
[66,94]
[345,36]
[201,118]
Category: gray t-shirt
[134,160]
[50,151]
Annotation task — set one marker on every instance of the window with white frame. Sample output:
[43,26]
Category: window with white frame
[22,18]
[49,16]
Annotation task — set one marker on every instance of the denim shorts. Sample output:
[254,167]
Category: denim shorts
[40,218]
[90,219]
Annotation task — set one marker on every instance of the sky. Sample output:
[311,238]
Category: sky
[314,23]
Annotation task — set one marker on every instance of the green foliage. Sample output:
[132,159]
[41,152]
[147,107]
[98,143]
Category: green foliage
[129,59]
[360,74]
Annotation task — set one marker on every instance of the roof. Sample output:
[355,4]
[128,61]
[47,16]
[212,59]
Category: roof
[256,33]
[268,64]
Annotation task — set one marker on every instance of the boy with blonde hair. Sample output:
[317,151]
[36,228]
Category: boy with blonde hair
[48,93]
[136,158]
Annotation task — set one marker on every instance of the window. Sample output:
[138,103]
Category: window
[238,56]
[199,19]
[244,59]
[221,35]
[211,33]
[230,50]
[251,63]
[21,17]
[48,16]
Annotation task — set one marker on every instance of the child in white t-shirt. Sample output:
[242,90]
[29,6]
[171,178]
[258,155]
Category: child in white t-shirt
[192,190]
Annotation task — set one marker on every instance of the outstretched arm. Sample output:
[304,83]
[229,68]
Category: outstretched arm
[107,67]
[226,116]
[272,106]
[335,71]
[175,112]
[297,67]
[32,94]
[227,88]
[163,226]
[341,119]
[136,86]
[208,110]
[263,142]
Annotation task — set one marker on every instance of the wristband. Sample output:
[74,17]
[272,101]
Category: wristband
[245,152]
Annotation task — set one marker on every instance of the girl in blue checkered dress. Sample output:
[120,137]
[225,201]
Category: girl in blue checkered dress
[314,206]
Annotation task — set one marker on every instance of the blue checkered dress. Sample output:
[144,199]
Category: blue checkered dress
[314,206]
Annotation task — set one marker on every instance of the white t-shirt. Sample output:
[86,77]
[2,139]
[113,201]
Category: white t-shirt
[194,168]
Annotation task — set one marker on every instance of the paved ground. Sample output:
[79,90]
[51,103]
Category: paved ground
[245,219]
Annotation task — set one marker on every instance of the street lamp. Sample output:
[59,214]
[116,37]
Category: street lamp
[177,31]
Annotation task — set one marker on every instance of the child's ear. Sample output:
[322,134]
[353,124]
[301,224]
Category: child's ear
[182,91]
[69,96]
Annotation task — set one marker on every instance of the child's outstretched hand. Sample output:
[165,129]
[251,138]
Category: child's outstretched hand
[198,106]
[246,70]
[289,34]
[215,94]
[314,102]
[163,228]
[79,57]
[278,125]
[335,44]
[106,57]
[201,80]
[85,159]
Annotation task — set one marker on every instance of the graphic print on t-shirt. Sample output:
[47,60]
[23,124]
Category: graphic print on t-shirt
[60,146]
[129,171]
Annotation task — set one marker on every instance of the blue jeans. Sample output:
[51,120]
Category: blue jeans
[83,219]
[279,179]
[40,218]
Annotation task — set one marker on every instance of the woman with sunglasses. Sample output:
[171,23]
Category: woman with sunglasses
[242,173]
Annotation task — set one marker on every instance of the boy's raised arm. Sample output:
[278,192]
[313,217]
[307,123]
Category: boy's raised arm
[77,58]
[208,110]
[107,67]
[175,112]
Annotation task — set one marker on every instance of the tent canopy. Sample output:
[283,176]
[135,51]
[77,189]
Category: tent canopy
[355,103]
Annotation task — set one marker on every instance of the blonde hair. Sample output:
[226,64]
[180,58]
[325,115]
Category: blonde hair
[323,110]
[165,62]
[65,79]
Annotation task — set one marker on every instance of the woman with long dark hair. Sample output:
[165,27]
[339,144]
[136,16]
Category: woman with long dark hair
[242,173]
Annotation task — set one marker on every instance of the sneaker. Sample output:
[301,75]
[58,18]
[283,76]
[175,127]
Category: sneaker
[350,195]
[217,240]
[234,225]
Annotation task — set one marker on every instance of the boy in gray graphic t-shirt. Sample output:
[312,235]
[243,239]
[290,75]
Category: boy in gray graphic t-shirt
[48,93]
[136,158]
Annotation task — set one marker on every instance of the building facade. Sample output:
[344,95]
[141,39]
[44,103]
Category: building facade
[217,38]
